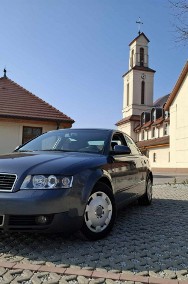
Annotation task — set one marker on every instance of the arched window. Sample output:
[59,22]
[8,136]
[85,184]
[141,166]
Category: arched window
[132,58]
[141,56]
[128,94]
[142,92]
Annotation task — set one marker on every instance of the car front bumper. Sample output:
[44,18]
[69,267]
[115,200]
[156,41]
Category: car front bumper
[41,210]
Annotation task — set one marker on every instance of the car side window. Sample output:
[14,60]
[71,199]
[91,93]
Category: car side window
[118,139]
[132,146]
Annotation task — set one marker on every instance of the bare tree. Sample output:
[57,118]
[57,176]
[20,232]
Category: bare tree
[180,13]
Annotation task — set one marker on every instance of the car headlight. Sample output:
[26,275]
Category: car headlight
[47,182]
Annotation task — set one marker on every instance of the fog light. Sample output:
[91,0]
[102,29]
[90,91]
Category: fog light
[41,220]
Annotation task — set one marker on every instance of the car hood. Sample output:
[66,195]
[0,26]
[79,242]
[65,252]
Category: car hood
[48,162]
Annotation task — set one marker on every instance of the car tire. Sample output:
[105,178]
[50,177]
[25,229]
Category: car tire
[100,213]
[146,199]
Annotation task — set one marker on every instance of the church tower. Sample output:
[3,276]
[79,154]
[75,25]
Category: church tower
[138,85]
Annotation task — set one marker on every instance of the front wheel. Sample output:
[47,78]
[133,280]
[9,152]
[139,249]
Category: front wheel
[146,199]
[100,213]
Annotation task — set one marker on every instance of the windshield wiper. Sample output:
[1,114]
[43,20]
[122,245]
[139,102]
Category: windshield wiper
[56,150]
[22,151]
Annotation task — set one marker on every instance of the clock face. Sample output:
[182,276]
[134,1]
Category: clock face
[143,76]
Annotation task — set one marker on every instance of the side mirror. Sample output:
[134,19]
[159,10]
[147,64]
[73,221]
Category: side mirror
[121,149]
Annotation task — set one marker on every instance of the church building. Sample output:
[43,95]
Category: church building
[159,128]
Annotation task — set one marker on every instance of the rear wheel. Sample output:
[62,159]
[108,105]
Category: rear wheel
[146,199]
[100,213]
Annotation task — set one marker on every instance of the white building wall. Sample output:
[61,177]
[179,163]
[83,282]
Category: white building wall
[179,128]
[128,128]
[162,157]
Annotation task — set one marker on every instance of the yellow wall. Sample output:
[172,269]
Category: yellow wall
[162,157]
[179,127]
[11,133]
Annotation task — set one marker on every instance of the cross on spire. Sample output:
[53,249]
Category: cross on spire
[5,73]
[139,25]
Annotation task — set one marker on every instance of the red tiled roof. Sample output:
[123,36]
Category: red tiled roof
[17,102]
[127,119]
[158,121]
[137,128]
[162,141]
[147,124]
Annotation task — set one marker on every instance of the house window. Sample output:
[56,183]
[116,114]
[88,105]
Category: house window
[143,134]
[143,118]
[165,129]
[128,94]
[142,92]
[141,56]
[30,133]
[154,157]
[166,115]
[153,132]
[153,115]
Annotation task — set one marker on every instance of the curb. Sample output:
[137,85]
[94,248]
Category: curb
[91,273]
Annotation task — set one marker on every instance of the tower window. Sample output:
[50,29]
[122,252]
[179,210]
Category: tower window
[132,58]
[128,94]
[142,92]
[141,56]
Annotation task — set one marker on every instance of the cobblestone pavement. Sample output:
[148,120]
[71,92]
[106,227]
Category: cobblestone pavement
[147,245]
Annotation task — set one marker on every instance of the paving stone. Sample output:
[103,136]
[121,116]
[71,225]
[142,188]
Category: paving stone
[143,239]
[97,281]
[2,271]
[25,276]
[82,280]
[70,277]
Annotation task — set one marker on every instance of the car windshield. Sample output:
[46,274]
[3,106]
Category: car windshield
[69,140]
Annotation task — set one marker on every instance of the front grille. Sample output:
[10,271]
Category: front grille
[2,217]
[7,182]
[27,220]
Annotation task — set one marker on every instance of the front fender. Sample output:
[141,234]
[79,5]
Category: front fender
[92,178]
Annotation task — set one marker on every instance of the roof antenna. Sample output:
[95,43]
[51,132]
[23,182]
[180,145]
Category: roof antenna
[5,72]
[139,25]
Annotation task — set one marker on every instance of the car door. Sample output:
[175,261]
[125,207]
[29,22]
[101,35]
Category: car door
[141,166]
[124,171]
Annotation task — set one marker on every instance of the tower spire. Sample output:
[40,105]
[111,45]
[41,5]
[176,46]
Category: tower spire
[139,25]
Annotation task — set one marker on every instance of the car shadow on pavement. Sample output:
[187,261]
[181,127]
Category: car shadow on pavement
[146,240]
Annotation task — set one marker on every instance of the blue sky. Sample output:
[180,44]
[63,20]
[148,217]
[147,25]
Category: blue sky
[73,53]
